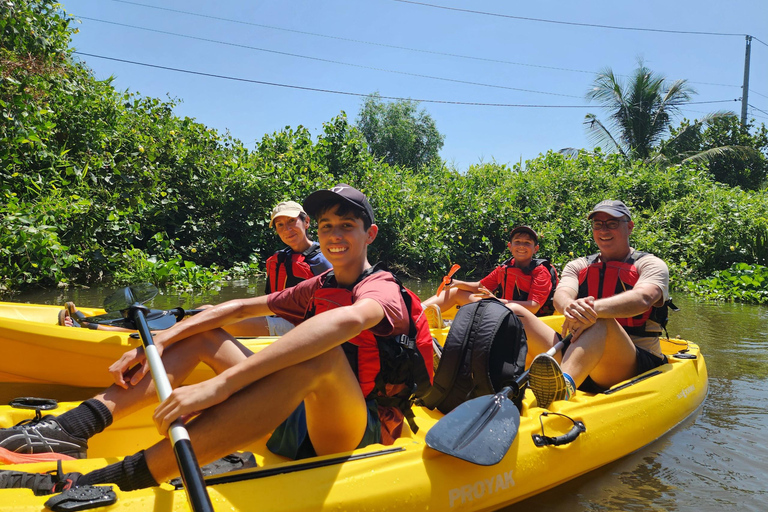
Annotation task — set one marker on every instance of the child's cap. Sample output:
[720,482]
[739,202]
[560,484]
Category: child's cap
[348,194]
[524,229]
[286,209]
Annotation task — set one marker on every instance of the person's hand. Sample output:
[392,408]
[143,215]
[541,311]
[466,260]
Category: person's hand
[579,315]
[483,293]
[187,401]
[130,368]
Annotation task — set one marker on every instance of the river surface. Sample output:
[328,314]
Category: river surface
[716,461]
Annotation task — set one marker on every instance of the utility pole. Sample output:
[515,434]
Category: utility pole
[745,87]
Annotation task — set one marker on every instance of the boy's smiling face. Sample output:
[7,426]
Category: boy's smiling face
[522,248]
[344,239]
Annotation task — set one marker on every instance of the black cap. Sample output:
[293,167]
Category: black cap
[613,208]
[348,194]
[524,229]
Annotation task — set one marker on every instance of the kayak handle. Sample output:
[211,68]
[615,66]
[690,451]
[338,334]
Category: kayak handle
[570,436]
[31,402]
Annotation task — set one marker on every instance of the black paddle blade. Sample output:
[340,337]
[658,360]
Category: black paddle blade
[159,320]
[479,431]
[126,297]
[115,318]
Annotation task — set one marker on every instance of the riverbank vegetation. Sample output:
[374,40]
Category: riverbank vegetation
[99,185]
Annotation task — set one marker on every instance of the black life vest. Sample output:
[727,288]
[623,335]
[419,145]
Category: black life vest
[286,268]
[606,279]
[516,283]
[394,370]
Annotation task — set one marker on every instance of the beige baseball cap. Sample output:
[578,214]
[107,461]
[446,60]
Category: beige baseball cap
[286,209]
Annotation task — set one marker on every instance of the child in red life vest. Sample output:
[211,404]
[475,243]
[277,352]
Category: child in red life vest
[524,280]
[302,385]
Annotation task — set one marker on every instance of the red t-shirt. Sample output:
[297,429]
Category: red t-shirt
[292,303]
[539,282]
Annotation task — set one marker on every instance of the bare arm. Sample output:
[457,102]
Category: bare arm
[307,340]
[467,286]
[581,313]
[210,318]
[217,316]
[630,303]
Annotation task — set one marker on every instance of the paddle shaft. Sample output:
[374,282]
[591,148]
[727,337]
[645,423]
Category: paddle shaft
[191,474]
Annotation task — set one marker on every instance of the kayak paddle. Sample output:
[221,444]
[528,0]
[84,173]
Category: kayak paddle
[448,278]
[191,474]
[126,297]
[481,430]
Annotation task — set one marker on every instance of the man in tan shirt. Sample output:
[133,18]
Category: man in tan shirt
[614,306]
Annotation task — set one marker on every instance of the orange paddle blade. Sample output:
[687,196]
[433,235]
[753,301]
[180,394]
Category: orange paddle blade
[447,278]
[9,457]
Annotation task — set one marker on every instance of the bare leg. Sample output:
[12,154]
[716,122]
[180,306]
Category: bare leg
[336,413]
[451,297]
[215,348]
[604,352]
[541,337]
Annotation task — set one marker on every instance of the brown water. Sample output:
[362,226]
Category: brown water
[714,462]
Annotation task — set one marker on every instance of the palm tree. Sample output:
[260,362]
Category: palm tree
[640,110]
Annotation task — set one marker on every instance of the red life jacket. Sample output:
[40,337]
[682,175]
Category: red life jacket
[393,370]
[606,279]
[516,284]
[286,268]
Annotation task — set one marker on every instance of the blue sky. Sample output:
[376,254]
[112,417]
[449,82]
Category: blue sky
[419,51]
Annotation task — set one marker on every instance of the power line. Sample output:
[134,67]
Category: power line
[373,43]
[572,23]
[758,109]
[346,93]
[359,41]
[319,59]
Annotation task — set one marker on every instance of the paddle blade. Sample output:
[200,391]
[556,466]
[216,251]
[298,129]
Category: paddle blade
[126,297]
[159,320]
[479,431]
[447,278]
[115,318]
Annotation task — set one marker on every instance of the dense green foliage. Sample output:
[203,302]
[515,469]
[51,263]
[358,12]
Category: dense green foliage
[741,282]
[97,184]
[399,133]
[747,168]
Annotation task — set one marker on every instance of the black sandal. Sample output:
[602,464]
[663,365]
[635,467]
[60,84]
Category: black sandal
[78,318]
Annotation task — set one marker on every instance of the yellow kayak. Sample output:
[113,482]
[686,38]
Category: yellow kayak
[409,475]
[37,350]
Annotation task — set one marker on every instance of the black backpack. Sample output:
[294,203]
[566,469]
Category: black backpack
[484,350]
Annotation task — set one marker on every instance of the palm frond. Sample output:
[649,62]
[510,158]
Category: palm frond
[601,136]
[741,152]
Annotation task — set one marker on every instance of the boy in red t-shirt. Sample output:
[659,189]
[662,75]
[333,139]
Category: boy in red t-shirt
[521,280]
[302,386]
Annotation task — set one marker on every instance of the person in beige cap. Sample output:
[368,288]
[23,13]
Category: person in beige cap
[615,305]
[298,261]
[302,258]
[522,279]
